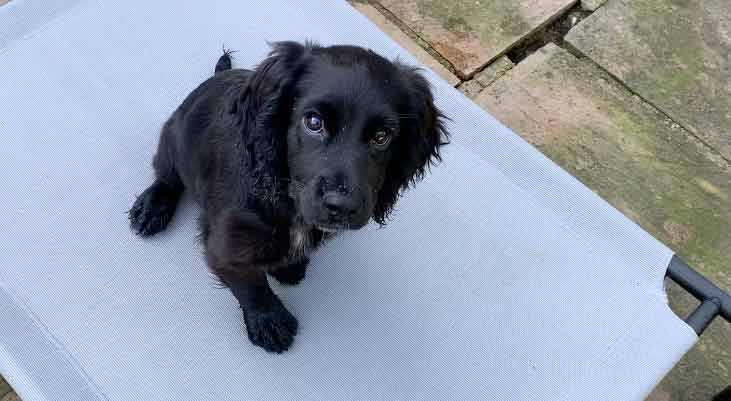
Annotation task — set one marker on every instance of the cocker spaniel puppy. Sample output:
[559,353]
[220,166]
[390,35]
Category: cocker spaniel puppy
[313,141]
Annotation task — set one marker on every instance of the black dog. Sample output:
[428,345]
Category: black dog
[313,141]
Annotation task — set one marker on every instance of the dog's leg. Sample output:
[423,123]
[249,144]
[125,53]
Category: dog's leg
[291,274]
[239,249]
[153,210]
[268,323]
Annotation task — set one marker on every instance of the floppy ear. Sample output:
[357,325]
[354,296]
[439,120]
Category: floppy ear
[261,114]
[422,134]
[272,79]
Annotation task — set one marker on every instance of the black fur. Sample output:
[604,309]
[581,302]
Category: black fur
[314,140]
[291,274]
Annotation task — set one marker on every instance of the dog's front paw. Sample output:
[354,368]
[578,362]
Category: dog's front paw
[291,274]
[153,210]
[272,328]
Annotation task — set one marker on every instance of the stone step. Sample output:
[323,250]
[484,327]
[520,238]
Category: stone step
[4,386]
[675,54]
[404,40]
[11,397]
[472,33]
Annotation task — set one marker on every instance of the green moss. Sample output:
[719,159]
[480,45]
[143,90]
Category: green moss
[450,14]
[674,53]
[455,22]
[670,34]
[488,20]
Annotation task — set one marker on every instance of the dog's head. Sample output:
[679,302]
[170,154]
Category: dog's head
[359,130]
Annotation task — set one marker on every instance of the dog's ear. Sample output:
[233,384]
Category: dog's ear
[422,134]
[271,85]
[262,113]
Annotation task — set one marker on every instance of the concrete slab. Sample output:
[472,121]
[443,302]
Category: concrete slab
[11,397]
[651,169]
[471,88]
[404,40]
[676,54]
[471,33]
[484,78]
[4,387]
[659,395]
[592,5]
[494,71]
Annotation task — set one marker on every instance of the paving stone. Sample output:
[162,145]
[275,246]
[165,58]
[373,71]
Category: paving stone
[659,395]
[404,40]
[592,5]
[484,78]
[4,387]
[494,71]
[471,88]
[676,54]
[11,397]
[652,170]
[471,33]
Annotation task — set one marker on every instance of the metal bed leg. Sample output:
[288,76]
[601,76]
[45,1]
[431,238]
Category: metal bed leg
[714,301]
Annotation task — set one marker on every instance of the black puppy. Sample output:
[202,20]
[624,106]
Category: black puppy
[313,141]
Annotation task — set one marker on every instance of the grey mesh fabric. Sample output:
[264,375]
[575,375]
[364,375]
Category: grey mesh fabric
[501,277]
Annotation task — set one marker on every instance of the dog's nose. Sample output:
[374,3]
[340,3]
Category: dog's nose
[340,205]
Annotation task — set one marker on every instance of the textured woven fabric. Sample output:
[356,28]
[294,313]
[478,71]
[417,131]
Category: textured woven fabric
[501,277]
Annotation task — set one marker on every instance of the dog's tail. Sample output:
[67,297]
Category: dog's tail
[224,62]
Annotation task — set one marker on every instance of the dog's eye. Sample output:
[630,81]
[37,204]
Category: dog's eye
[313,122]
[381,138]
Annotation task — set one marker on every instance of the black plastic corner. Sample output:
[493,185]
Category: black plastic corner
[714,301]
